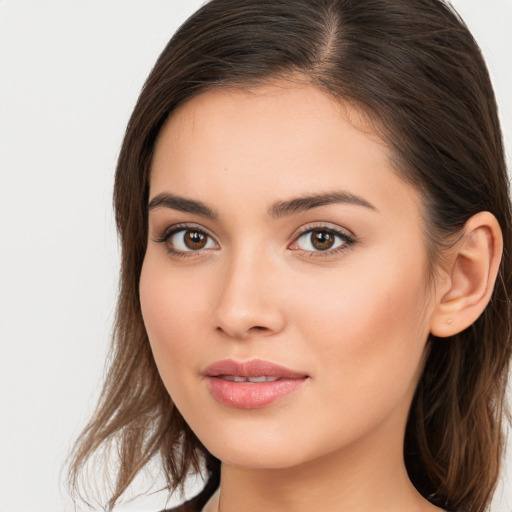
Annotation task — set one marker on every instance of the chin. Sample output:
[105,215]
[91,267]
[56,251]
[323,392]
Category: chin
[248,446]
[259,448]
[256,458]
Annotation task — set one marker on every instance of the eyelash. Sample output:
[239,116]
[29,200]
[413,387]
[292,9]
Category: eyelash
[347,240]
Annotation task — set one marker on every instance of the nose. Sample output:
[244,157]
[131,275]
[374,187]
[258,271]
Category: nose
[247,302]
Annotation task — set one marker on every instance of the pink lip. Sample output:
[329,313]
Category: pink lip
[251,395]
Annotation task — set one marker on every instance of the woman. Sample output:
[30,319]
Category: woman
[316,232]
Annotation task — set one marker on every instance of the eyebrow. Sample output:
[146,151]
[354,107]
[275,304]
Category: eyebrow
[300,204]
[277,210]
[181,204]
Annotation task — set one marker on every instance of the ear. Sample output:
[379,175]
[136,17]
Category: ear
[465,284]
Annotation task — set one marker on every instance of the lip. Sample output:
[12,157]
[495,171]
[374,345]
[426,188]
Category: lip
[251,395]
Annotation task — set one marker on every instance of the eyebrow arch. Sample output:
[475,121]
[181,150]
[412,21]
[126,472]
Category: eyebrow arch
[300,204]
[181,204]
[277,210]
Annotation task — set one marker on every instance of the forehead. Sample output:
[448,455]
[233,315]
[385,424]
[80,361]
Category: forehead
[265,114]
[274,142]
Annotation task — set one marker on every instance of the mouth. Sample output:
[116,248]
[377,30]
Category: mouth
[251,384]
[240,378]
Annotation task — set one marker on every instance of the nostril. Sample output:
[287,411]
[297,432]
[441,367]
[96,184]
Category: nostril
[254,329]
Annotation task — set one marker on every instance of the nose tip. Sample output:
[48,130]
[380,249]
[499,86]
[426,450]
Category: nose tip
[241,319]
[247,304]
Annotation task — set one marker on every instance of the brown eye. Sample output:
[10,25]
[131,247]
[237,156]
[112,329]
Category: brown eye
[188,240]
[322,240]
[195,240]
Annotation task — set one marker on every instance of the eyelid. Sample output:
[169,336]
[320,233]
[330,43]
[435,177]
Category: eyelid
[164,236]
[348,238]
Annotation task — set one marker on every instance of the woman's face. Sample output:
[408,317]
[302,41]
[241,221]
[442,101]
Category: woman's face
[282,244]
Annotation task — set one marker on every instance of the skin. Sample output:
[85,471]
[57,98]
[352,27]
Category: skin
[355,320]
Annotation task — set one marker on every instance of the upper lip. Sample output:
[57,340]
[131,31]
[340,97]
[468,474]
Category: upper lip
[251,368]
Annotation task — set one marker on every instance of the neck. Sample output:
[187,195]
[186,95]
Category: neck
[351,480]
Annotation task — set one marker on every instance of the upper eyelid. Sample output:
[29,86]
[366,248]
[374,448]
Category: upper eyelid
[176,228]
[323,225]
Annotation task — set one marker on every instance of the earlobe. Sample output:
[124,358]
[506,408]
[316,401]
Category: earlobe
[469,276]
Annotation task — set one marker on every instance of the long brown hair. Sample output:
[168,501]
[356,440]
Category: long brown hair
[413,67]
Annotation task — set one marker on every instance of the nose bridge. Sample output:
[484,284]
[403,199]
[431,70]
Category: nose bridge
[246,300]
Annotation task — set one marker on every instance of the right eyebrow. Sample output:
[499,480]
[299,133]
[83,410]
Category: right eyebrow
[303,203]
[167,200]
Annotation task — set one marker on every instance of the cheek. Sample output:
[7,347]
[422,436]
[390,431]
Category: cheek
[363,300]
[369,332]
[170,312]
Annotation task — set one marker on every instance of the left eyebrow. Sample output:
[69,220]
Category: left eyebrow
[303,203]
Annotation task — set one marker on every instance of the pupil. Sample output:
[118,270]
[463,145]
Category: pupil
[195,240]
[322,240]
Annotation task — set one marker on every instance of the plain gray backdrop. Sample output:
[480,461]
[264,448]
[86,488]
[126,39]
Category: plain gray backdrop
[70,73]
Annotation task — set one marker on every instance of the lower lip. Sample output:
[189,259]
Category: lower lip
[251,395]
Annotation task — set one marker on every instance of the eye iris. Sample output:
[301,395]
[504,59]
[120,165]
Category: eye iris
[322,240]
[195,240]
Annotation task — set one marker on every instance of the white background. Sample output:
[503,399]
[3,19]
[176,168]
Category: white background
[70,72]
